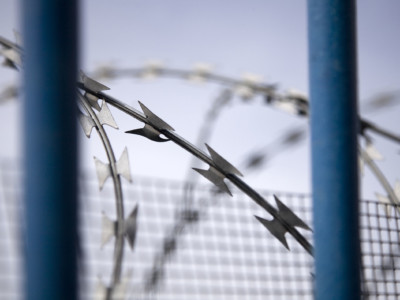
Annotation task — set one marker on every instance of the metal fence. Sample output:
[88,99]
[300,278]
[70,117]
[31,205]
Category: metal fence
[198,244]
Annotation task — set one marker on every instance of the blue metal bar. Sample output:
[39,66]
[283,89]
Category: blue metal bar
[334,124]
[50,148]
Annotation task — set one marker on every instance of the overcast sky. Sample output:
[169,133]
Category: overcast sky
[268,38]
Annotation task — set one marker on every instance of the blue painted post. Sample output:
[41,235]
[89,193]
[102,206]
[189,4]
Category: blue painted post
[50,148]
[334,122]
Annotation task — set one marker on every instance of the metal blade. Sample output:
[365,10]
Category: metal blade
[123,166]
[152,69]
[106,117]
[276,229]
[100,292]
[397,189]
[119,290]
[361,165]
[92,84]
[131,227]
[12,55]
[200,72]
[108,229]
[289,216]
[17,37]
[373,153]
[9,64]
[93,101]
[103,172]
[154,120]
[149,132]
[222,163]
[215,177]
[87,124]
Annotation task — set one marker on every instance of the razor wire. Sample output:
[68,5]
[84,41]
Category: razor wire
[121,228]
[284,220]
[115,169]
[291,101]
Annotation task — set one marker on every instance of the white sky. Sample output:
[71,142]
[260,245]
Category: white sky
[268,38]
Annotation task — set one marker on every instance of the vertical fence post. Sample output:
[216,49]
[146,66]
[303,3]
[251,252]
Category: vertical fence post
[334,122]
[50,148]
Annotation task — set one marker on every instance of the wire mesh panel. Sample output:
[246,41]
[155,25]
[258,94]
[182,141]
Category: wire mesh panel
[200,246]
[195,243]
[10,232]
[381,249]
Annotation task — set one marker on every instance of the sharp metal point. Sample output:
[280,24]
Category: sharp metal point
[222,163]
[123,167]
[92,101]
[397,189]
[118,292]
[12,55]
[361,165]
[103,171]
[149,132]
[106,117]
[8,93]
[289,216]
[100,292]
[154,120]
[125,227]
[108,229]
[152,69]
[169,246]
[256,160]
[131,227]
[9,64]
[12,58]
[276,229]
[215,177]
[18,37]
[200,73]
[244,91]
[87,124]
[288,107]
[92,84]
[373,153]
[115,292]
